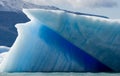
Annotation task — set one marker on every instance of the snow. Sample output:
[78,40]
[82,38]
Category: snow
[58,41]
[18,5]
[8,5]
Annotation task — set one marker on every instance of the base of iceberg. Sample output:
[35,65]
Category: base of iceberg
[56,41]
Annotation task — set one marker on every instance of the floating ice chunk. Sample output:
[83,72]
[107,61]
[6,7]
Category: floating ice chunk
[3,51]
[60,41]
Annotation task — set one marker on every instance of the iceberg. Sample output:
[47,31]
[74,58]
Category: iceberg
[3,52]
[57,41]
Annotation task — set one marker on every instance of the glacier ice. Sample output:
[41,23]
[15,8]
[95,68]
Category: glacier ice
[3,51]
[58,41]
[2,56]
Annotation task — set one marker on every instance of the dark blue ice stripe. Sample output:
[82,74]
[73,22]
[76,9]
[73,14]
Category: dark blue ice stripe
[54,39]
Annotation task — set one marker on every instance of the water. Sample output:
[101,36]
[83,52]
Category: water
[59,74]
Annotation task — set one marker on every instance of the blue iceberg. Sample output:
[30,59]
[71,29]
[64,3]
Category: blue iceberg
[57,41]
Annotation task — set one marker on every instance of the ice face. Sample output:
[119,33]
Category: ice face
[60,41]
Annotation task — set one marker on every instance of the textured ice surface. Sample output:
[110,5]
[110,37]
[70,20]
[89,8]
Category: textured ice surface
[60,41]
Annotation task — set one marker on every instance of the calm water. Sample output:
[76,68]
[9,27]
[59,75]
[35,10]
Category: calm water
[59,74]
